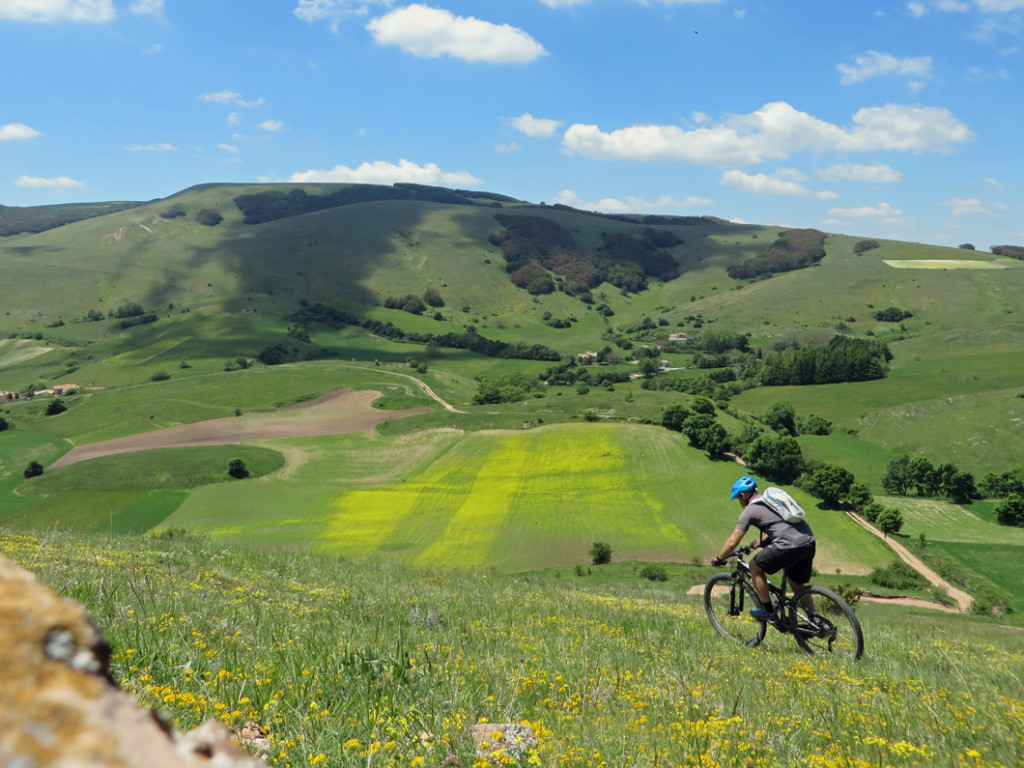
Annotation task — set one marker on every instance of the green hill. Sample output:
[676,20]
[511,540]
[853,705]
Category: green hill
[161,313]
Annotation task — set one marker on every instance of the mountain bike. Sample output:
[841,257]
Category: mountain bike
[829,627]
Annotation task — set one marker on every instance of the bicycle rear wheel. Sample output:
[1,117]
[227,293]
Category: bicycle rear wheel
[727,606]
[831,628]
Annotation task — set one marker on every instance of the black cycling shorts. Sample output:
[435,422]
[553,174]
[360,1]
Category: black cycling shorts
[795,563]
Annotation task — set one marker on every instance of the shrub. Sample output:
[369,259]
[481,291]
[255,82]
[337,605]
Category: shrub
[866,245]
[892,315]
[55,406]
[849,592]
[160,376]
[237,469]
[4,424]
[34,469]
[898,575]
[654,573]
[601,553]
[209,218]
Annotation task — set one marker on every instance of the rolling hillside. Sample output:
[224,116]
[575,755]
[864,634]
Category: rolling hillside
[160,313]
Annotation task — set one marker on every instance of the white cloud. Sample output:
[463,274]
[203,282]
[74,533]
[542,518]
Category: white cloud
[383,172]
[563,3]
[272,126]
[876,173]
[763,184]
[536,126]
[164,147]
[46,11]
[952,6]
[17,132]
[774,132]
[227,147]
[59,183]
[569,3]
[506,148]
[882,210]
[663,204]
[148,8]
[432,33]
[333,10]
[875,64]
[994,183]
[999,6]
[230,97]
[973,207]
[917,10]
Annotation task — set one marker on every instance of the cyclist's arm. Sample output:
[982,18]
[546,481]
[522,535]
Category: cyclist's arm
[731,543]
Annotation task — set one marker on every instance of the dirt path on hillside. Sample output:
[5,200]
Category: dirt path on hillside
[963,600]
[336,413]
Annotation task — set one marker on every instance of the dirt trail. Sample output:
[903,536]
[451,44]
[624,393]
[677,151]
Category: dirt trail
[336,413]
[963,600]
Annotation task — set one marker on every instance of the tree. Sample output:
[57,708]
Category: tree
[34,469]
[55,406]
[4,424]
[960,488]
[702,404]
[897,476]
[923,476]
[859,496]
[673,417]
[829,483]
[432,297]
[889,520]
[814,425]
[1011,511]
[601,553]
[237,469]
[777,457]
[781,417]
[705,433]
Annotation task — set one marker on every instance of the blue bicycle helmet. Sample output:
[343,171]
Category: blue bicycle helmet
[744,484]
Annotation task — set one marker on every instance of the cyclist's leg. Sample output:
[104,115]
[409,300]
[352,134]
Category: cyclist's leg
[760,579]
[798,573]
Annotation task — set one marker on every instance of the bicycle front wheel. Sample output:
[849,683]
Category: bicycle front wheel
[727,605]
[831,628]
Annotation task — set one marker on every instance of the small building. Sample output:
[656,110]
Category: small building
[682,338]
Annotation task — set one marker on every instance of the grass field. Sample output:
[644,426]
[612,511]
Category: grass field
[355,664]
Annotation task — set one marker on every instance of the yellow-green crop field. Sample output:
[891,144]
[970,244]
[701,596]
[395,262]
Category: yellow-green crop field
[512,500]
[376,664]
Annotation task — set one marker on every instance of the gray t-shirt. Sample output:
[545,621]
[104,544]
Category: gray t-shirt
[780,533]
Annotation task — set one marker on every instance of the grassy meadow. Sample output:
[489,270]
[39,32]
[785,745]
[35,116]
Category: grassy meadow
[346,663]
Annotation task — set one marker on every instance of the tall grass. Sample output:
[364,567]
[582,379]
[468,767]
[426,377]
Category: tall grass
[374,664]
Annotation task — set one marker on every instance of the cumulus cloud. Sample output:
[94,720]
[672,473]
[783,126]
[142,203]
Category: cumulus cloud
[230,97]
[272,126]
[876,173]
[881,211]
[785,181]
[46,11]
[972,206]
[59,183]
[227,147]
[537,127]
[875,64]
[775,131]
[164,147]
[17,132]
[383,172]
[1000,6]
[433,33]
[663,204]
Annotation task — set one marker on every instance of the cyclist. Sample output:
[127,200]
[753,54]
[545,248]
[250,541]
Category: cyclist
[789,546]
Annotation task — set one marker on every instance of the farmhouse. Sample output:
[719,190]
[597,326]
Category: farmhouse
[682,338]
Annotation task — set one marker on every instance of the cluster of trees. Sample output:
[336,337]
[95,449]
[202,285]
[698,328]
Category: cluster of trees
[507,389]
[15,220]
[413,303]
[541,256]
[271,205]
[863,246]
[1008,486]
[1011,251]
[892,315]
[470,340]
[905,474]
[794,249]
[844,358]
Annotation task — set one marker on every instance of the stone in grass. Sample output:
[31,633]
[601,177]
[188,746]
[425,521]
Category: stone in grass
[514,738]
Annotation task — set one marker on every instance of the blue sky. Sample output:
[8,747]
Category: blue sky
[880,119]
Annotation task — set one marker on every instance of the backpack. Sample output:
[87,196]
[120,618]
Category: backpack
[782,504]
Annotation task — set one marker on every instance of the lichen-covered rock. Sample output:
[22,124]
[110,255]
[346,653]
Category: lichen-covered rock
[59,706]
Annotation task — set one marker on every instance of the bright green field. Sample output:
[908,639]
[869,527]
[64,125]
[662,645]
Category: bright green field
[511,500]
